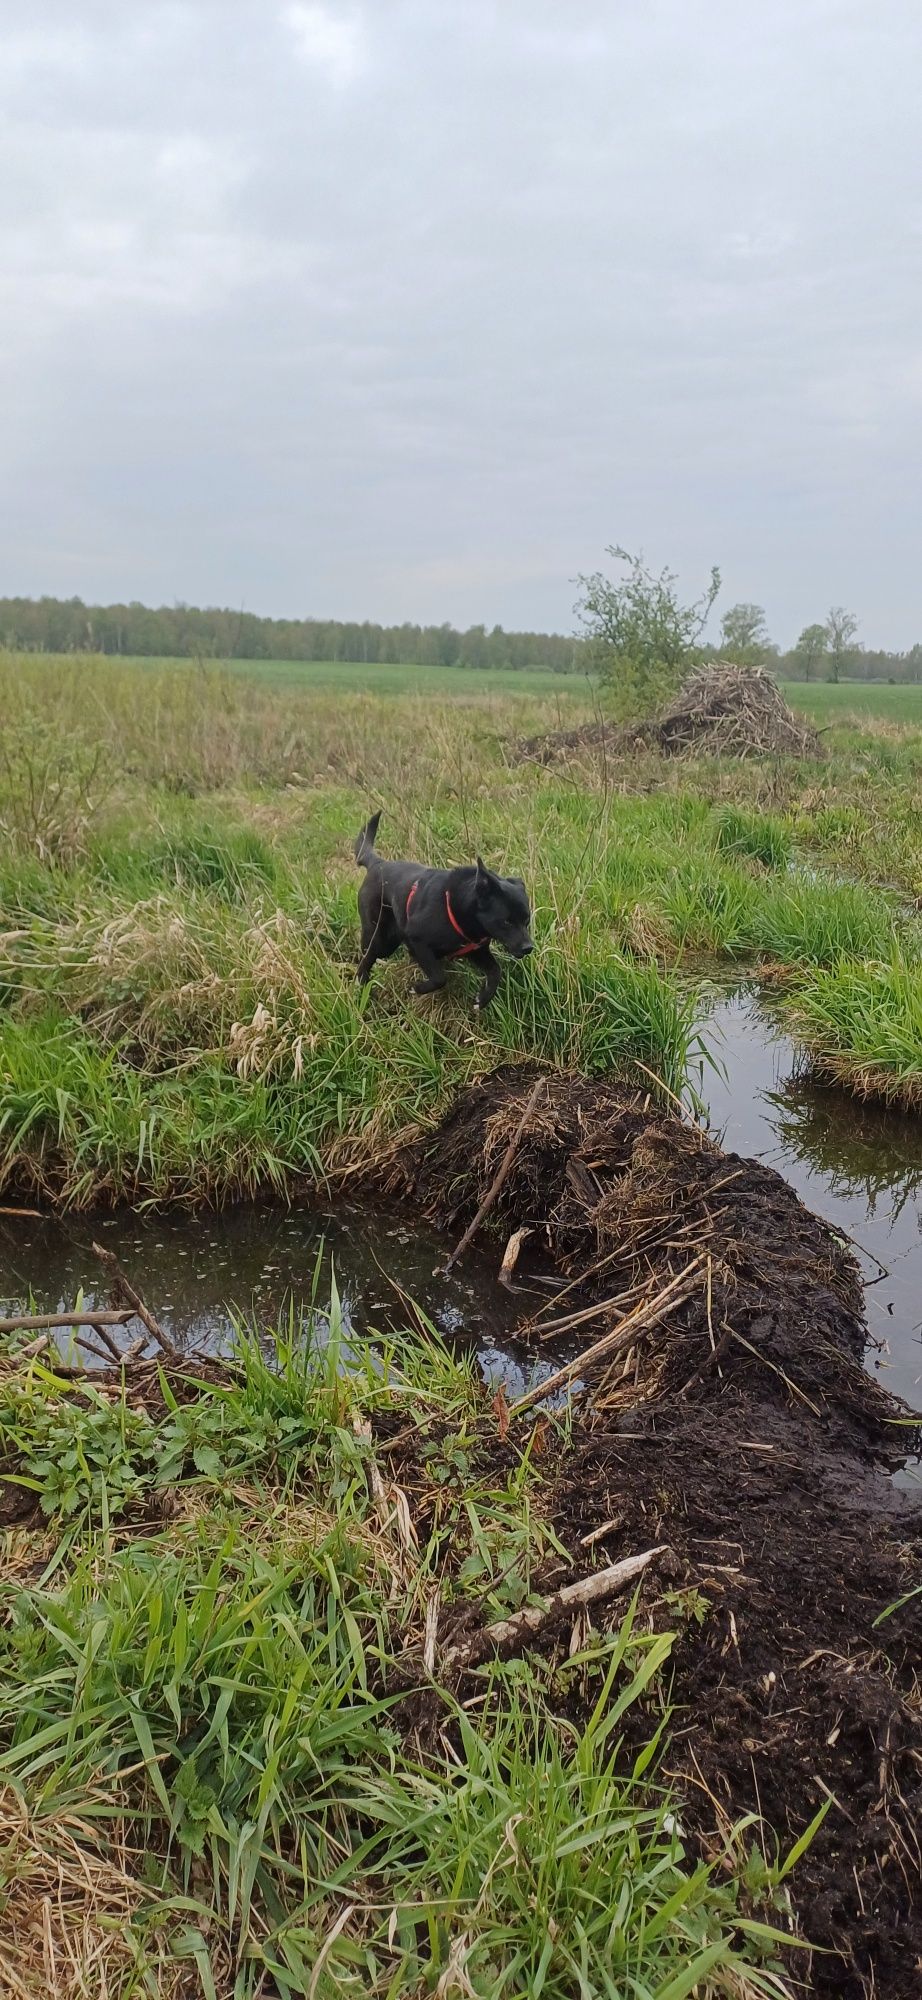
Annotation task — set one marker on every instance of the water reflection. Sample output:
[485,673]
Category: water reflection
[255,1263]
[869,1155]
[859,1166]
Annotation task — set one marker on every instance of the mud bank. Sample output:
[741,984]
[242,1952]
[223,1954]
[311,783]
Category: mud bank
[738,1426]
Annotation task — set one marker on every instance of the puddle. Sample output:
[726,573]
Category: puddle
[857,1165]
[252,1261]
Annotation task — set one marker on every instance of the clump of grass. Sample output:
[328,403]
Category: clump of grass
[178,1016]
[862,1023]
[218,1049]
[203,1717]
[760,836]
[793,920]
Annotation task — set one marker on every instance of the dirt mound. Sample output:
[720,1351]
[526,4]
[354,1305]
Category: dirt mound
[624,1201]
[736,1423]
[722,710]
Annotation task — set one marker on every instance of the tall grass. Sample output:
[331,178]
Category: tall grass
[862,1023]
[178,1016]
[217,1709]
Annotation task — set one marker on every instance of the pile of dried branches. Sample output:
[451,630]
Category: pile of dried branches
[722,710]
[729,711]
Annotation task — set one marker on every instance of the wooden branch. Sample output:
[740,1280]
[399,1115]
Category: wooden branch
[32,1322]
[111,1347]
[498,1180]
[618,1338]
[511,1633]
[123,1288]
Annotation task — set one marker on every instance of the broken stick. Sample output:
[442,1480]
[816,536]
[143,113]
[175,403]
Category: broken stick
[497,1182]
[515,1631]
[123,1289]
[618,1338]
[31,1322]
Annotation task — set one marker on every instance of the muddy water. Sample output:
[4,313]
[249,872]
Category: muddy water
[254,1262]
[859,1167]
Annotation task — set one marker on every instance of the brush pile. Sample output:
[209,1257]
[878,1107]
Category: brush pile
[722,710]
[729,711]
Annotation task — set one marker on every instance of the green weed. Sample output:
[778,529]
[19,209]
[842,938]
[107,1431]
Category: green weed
[211,1705]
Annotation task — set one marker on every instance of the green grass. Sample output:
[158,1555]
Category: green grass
[387,678]
[863,1023]
[830,702]
[178,1012]
[203,1718]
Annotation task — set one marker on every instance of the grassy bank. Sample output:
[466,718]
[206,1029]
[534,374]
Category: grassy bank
[177,898]
[863,1024]
[224,1764]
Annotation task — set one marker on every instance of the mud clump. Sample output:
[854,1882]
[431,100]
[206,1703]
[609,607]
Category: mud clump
[722,710]
[740,1427]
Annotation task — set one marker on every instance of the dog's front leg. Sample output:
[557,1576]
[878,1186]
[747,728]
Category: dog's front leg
[434,969]
[493,973]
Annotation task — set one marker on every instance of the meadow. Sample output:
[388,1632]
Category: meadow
[830,701]
[180,1018]
[212,1777]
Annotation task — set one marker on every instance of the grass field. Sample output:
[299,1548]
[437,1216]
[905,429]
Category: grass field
[825,702]
[178,898]
[463,683]
[209,1782]
[829,702]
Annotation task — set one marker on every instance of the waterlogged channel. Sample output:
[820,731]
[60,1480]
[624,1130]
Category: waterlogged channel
[858,1166]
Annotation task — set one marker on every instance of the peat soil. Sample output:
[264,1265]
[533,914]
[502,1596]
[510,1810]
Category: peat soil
[738,1427]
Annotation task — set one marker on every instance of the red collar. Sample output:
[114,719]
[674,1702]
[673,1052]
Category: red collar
[470,944]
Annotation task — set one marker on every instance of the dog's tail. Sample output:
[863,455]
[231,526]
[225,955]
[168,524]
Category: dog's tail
[364,849]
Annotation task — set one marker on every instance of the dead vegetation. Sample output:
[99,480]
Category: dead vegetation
[722,710]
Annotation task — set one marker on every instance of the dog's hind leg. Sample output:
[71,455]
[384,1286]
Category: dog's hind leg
[492,971]
[380,936]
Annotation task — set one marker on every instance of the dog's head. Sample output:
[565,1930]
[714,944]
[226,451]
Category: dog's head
[503,910]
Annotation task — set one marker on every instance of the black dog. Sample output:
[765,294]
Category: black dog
[439,914]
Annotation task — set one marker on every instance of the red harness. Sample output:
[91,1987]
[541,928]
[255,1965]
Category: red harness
[470,944]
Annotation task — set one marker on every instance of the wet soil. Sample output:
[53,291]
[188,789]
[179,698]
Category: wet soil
[748,1437]
[741,1429]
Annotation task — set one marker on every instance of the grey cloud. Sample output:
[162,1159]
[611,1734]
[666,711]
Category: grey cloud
[409,308]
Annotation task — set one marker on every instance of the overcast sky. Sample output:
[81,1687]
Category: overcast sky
[408,308]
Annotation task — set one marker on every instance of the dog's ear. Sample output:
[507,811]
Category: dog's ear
[483,875]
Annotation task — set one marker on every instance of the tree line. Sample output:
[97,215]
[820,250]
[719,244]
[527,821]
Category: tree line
[642,640]
[828,650]
[181,631]
[643,603]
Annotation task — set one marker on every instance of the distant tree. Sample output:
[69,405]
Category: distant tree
[841,626]
[811,650]
[744,635]
[642,640]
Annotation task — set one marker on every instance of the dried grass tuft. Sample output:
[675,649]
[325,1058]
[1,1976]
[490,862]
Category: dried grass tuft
[68,1915]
